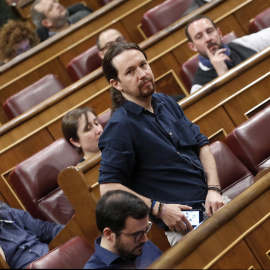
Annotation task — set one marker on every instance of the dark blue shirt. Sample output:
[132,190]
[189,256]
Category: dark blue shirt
[103,258]
[156,155]
[26,239]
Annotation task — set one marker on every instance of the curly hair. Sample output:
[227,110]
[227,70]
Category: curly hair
[13,33]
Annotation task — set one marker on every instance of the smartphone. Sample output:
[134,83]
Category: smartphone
[194,216]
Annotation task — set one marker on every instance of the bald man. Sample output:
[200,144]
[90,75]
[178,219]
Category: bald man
[106,39]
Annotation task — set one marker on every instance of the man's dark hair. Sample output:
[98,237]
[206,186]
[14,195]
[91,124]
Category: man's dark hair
[109,69]
[115,206]
[196,18]
[111,72]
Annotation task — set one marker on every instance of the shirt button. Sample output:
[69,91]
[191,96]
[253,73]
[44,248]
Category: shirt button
[170,133]
[178,153]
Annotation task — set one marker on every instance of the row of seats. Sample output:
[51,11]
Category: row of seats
[234,176]
[246,152]
[89,61]
[250,141]
[73,254]
[78,68]
[32,95]
[170,11]
[35,180]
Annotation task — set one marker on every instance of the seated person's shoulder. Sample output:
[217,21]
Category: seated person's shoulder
[42,32]
[78,7]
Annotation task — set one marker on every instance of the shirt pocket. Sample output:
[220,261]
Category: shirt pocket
[184,133]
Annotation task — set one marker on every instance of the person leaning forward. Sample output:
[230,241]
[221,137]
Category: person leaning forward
[151,149]
[123,220]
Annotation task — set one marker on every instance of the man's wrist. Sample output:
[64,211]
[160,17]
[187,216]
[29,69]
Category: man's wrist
[215,188]
[155,209]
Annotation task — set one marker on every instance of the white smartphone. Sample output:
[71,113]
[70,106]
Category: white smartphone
[194,216]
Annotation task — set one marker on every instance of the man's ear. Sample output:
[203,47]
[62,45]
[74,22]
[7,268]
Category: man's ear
[192,46]
[75,143]
[219,32]
[109,235]
[116,84]
[46,23]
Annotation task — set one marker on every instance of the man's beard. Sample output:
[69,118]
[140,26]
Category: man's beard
[150,88]
[60,22]
[127,254]
[209,45]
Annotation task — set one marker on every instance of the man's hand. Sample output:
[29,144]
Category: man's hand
[218,60]
[213,202]
[175,219]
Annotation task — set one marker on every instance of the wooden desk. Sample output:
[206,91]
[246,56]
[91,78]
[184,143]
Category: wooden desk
[235,237]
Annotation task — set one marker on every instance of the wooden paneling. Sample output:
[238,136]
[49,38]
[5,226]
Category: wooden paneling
[219,120]
[10,195]
[257,242]
[257,108]
[170,84]
[246,13]
[249,96]
[234,258]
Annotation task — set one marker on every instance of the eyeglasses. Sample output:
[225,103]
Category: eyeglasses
[109,44]
[21,50]
[139,235]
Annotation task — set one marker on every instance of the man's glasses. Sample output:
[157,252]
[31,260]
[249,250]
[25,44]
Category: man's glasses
[139,235]
[109,44]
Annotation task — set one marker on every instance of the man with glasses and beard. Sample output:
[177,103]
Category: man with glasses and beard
[50,17]
[216,58]
[122,218]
